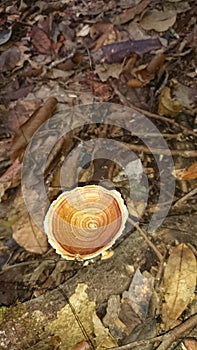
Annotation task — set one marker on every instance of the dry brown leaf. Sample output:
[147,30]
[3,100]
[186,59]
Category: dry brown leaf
[178,6]
[20,111]
[107,34]
[179,283]
[158,20]
[68,330]
[26,131]
[186,174]
[25,232]
[12,174]
[190,173]
[187,96]
[41,40]
[9,59]
[191,344]
[129,14]
[109,70]
[145,74]
[168,105]
[104,339]
[123,316]
[134,83]
[156,63]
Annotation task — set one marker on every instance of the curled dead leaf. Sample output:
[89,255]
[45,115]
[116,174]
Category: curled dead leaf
[168,105]
[107,33]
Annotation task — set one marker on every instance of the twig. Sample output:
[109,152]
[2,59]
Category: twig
[178,332]
[167,152]
[166,339]
[152,115]
[143,234]
[59,61]
[87,338]
[154,248]
[153,134]
[185,197]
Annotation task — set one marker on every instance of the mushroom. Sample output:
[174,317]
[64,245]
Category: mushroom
[86,221]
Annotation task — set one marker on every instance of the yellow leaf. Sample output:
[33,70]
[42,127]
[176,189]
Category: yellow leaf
[67,328]
[168,105]
[179,283]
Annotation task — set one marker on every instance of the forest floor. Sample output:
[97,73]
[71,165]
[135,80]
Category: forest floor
[114,86]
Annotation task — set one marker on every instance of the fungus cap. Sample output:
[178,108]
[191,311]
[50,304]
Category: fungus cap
[86,221]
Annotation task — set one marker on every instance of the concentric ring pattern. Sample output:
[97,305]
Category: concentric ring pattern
[85,221]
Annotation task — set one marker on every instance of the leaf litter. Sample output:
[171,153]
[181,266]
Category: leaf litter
[85,309]
[179,283]
[52,54]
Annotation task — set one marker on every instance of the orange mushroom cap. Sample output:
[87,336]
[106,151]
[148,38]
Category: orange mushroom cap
[86,221]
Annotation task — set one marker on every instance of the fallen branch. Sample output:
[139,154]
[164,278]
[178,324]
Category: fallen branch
[166,339]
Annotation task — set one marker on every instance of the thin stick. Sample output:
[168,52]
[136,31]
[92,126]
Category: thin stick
[87,338]
[151,244]
[166,339]
[178,332]
[153,115]
[157,252]
[185,197]
[59,61]
[167,152]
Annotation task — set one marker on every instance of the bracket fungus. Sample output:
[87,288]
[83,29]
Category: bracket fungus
[85,222]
